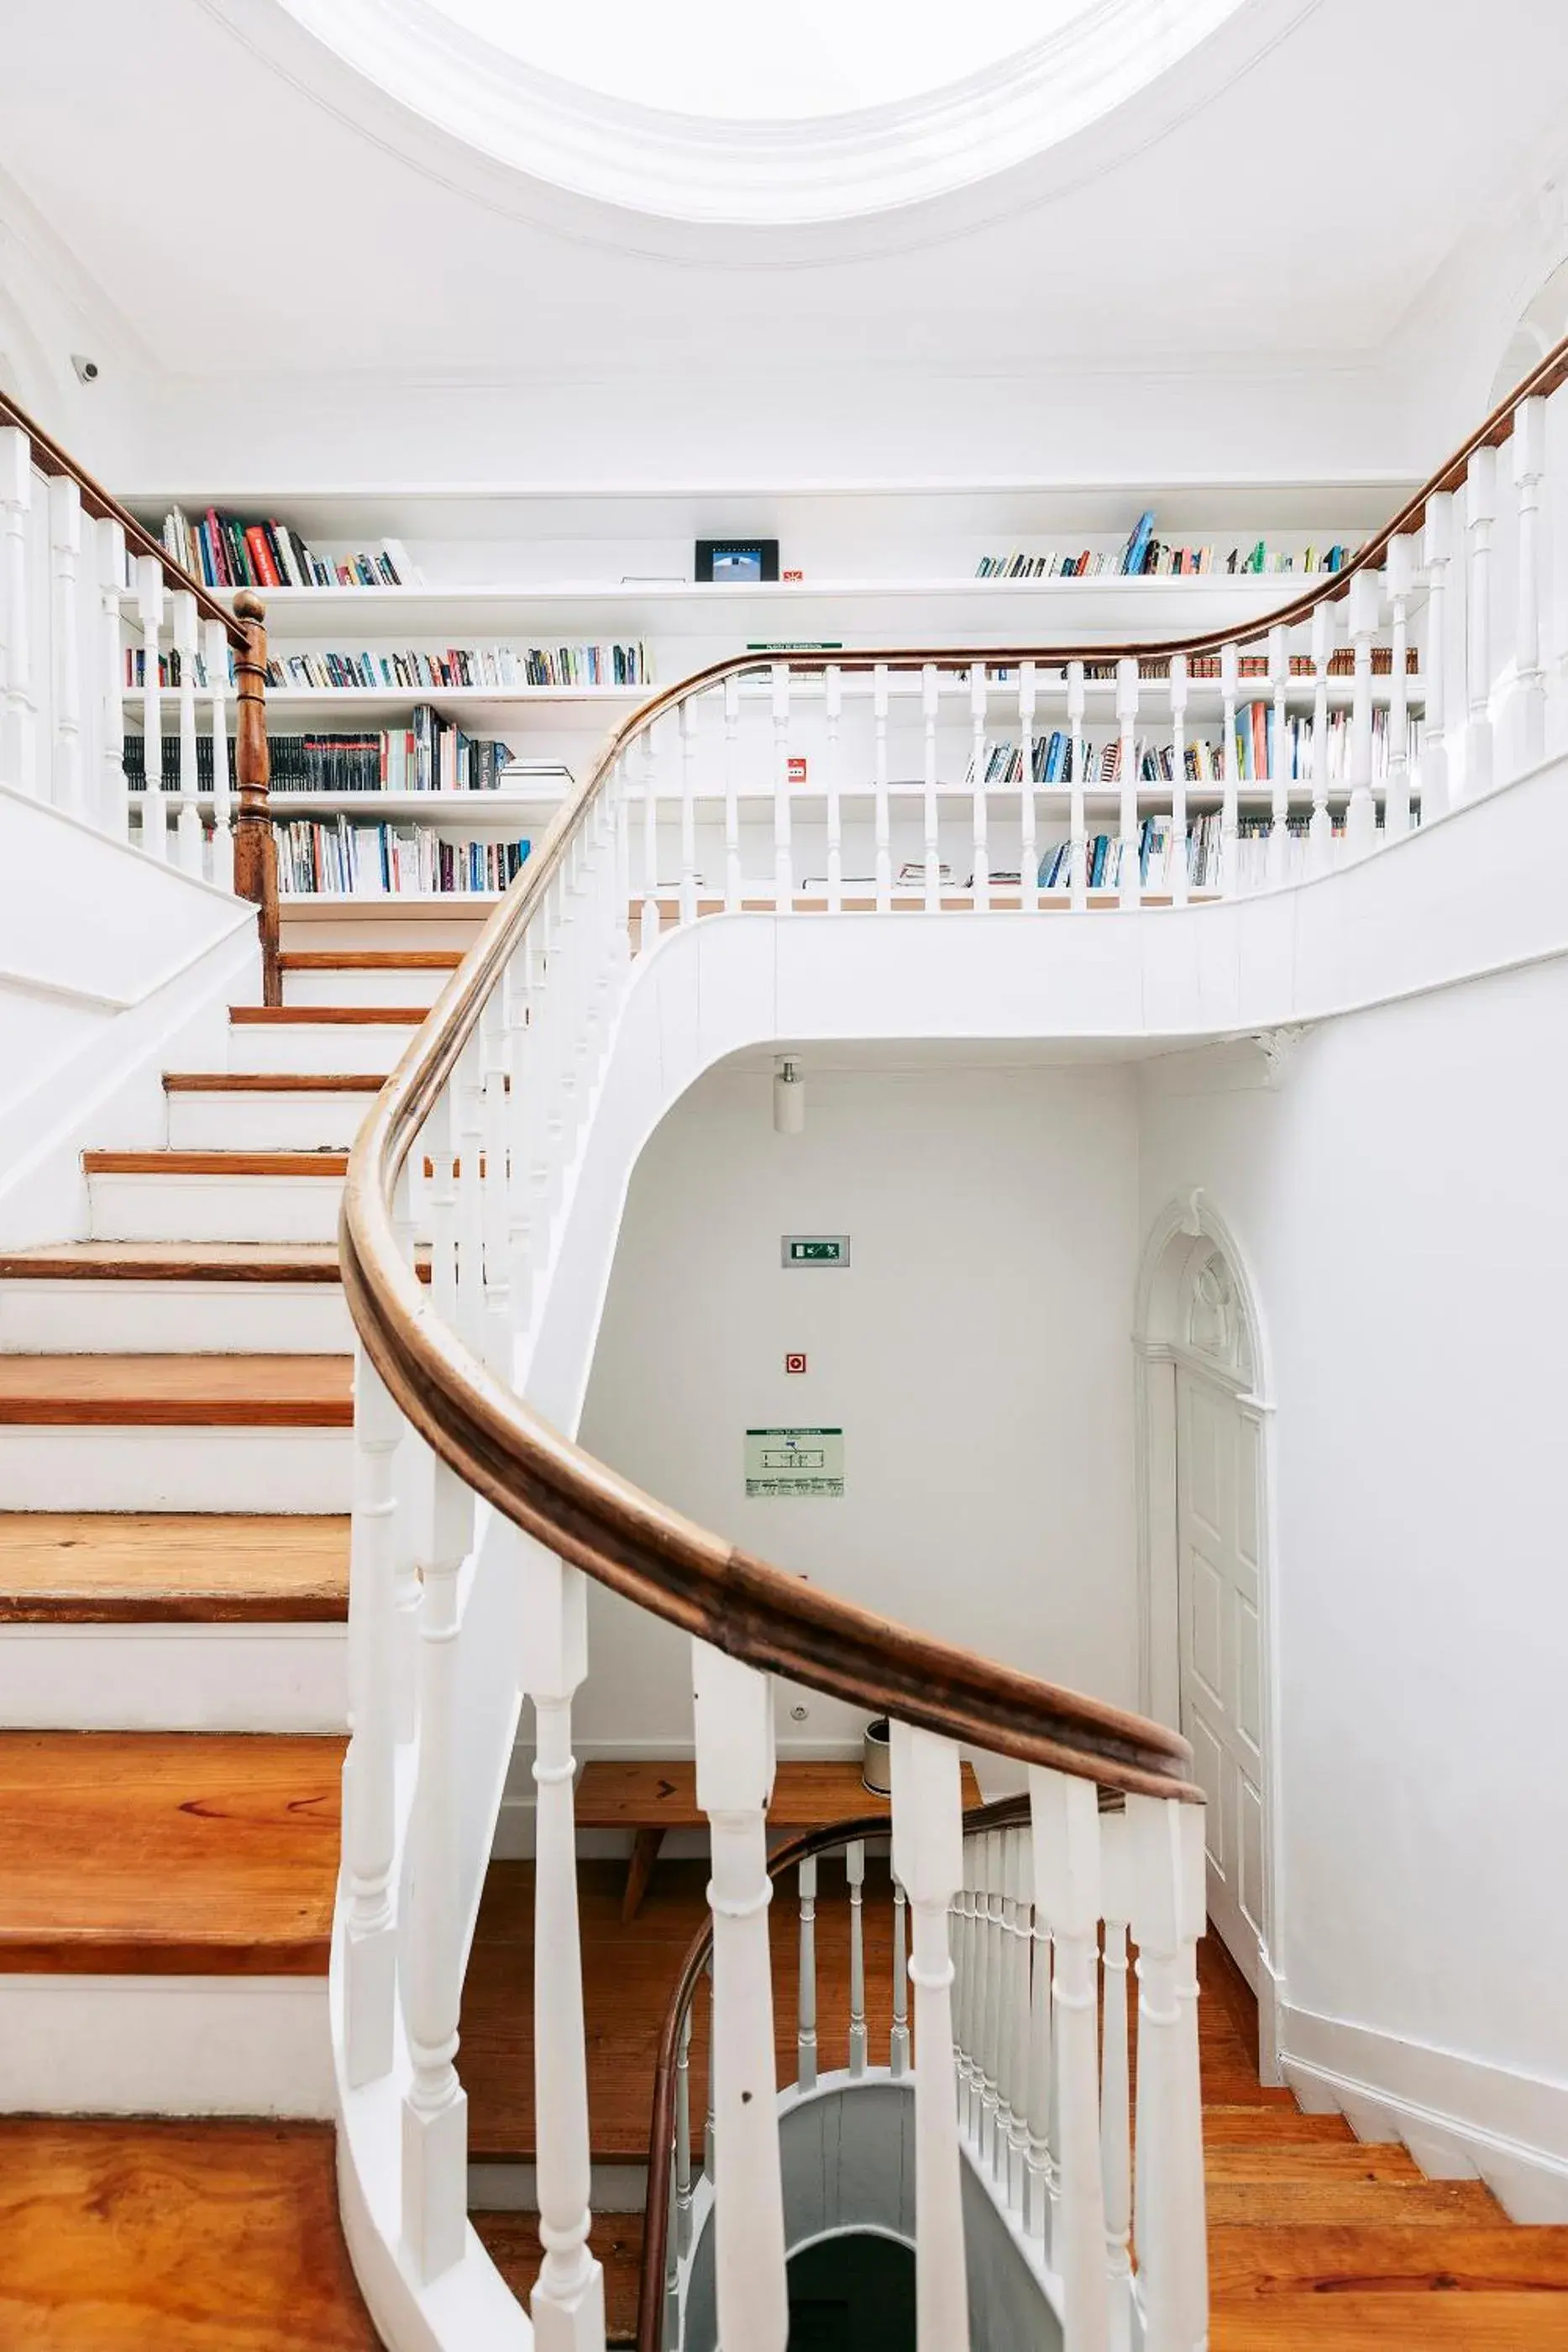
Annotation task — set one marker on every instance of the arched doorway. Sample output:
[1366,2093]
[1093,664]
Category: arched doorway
[1204,1448]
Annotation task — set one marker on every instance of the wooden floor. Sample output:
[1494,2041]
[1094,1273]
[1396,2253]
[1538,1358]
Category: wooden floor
[102,1567]
[174,2237]
[178,1392]
[167,1853]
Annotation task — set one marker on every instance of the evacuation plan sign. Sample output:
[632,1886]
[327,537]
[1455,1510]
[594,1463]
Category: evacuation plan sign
[795,1462]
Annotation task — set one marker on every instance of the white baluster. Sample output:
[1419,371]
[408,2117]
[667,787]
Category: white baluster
[684,2140]
[1398,577]
[524,1011]
[568,2303]
[834,688]
[883,828]
[1228,859]
[468,1084]
[688,809]
[988,1918]
[707,2121]
[1529,466]
[413,1471]
[1020,1882]
[735,1780]
[1040,2194]
[493,1122]
[1361,816]
[1279,762]
[1167,1844]
[1066,1820]
[215,639]
[621,916]
[980,851]
[1320,832]
[806,2036]
[928,1858]
[731,793]
[783,844]
[1001,2146]
[933,828]
[1481,511]
[436,2106]
[369,1953]
[114,815]
[18,716]
[898,2041]
[1130,880]
[150,612]
[966,1979]
[1028,849]
[1115,2096]
[188,831]
[64,555]
[1076,820]
[1178,875]
[854,1873]
[648,769]
[1437,551]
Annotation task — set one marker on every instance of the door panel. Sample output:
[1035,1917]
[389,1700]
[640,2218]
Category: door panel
[1220,1573]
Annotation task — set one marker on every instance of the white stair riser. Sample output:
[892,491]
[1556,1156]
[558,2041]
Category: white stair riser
[53,1468]
[175,2045]
[215,1208]
[199,1319]
[269,1678]
[419,989]
[282,1122]
[310,1049]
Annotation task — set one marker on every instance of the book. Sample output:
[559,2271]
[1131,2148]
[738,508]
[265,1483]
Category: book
[430,755]
[222,551]
[345,857]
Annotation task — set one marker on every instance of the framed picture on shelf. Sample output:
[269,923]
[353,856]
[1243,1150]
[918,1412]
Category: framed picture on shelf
[737,559]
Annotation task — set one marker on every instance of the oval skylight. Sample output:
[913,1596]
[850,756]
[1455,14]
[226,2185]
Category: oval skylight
[829,110]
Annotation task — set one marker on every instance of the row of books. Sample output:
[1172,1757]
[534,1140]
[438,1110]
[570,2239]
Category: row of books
[430,755]
[224,550]
[500,666]
[383,861]
[1158,560]
[1059,759]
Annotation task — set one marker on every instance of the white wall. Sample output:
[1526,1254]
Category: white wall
[975,1354]
[1399,1203]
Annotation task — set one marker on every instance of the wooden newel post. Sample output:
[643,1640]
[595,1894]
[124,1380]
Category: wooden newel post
[256,852]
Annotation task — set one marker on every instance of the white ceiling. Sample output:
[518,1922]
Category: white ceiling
[244,215]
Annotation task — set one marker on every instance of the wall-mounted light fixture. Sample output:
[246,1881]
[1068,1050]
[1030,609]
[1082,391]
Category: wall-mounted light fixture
[788,1097]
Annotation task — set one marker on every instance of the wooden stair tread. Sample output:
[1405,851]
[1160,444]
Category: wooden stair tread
[287,1262]
[169,1163]
[318,1016]
[179,1391]
[102,1567]
[270,1082]
[370,959]
[150,2236]
[167,1854]
[1324,2203]
[1261,2261]
[1226,2126]
[1292,2160]
[512,2242]
[1381,2321]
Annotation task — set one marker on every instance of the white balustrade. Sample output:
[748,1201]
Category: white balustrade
[928,1861]
[64,555]
[1115,2097]
[1530,677]
[898,2039]
[1279,762]
[806,2033]
[854,1873]
[18,715]
[1066,1823]
[1437,550]
[1481,513]
[1319,830]
[215,639]
[370,1937]
[1168,1905]
[1019,1882]
[1361,816]
[733,1709]
[113,797]
[188,837]
[150,612]
[1398,578]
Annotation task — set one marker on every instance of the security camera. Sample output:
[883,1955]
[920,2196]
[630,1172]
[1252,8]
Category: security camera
[87,370]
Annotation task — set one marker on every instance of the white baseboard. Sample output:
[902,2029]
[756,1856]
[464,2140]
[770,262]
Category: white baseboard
[270,1678]
[1460,2117]
[168,2045]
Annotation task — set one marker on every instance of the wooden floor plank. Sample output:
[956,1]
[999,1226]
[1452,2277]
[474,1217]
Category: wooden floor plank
[326,1016]
[167,1854]
[271,1082]
[169,1163]
[513,2241]
[174,2237]
[131,1567]
[1264,2262]
[1287,2159]
[173,1262]
[370,959]
[1394,2323]
[179,1391]
[1435,2204]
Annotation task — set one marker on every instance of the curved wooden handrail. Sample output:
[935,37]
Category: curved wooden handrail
[1003,1812]
[50,458]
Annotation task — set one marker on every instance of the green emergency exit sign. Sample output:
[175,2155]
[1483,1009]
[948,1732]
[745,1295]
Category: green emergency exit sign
[816,1249]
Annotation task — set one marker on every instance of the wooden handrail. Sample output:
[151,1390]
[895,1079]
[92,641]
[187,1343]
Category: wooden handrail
[256,851]
[50,458]
[1003,1812]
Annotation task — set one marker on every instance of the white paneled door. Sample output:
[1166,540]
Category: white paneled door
[1218,1537]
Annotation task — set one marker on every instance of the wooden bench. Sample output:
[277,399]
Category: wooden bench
[649,1798]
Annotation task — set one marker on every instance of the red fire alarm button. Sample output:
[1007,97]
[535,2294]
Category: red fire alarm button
[794,1362]
[797,770]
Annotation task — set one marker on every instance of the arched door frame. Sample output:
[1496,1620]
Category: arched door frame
[1186,1232]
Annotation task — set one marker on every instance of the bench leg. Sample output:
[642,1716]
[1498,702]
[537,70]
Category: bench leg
[639,1870]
